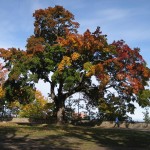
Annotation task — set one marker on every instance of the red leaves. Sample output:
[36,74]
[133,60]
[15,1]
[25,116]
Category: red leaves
[132,72]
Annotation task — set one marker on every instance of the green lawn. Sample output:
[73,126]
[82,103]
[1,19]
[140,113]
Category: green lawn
[14,136]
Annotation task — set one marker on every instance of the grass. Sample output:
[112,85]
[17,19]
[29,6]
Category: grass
[68,137]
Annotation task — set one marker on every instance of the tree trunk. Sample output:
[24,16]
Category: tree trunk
[59,103]
[60,108]
[60,115]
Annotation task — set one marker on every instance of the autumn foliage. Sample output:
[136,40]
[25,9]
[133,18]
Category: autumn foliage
[3,76]
[67,60]
[39,108]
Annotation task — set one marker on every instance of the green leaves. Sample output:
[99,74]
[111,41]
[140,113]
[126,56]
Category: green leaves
[87,66]
[143,98]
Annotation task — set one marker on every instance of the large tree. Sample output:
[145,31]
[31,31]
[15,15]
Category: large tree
[68,61]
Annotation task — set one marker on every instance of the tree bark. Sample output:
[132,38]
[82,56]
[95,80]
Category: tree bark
[59,103]
[60,115]
[60,110]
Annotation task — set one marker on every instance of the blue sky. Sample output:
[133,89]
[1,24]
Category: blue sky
[118,19]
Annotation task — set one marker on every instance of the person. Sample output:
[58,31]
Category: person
[116,122]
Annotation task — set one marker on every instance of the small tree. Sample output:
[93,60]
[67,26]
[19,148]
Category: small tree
[39,108]
[146,116]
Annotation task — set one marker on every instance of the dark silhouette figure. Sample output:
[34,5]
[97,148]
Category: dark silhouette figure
[116,122]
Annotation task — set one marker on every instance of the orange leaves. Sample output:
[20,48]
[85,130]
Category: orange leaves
[82,43]
[102,74]
[146,73]
[61,67]
[91,42]
[6,54]
[130,66]
[99,68]
[53,22]
[72,41]
[35,45]
[105,78]
[120,76]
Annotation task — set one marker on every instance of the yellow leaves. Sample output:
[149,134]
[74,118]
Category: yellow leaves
[66,62]
[106,50]
[15,104]
[91,72]
[89,68]
[60,67]
[38,95]
[93,69]
[75,56]
[36,108]
[2,92]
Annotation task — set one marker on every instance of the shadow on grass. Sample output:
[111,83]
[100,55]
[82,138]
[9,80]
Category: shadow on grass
[11,139]
[43,137]
[113,138]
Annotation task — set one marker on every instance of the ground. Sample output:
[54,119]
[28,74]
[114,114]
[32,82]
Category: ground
[67,137]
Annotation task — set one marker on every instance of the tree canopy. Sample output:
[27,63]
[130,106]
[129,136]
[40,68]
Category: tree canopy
[67,60]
